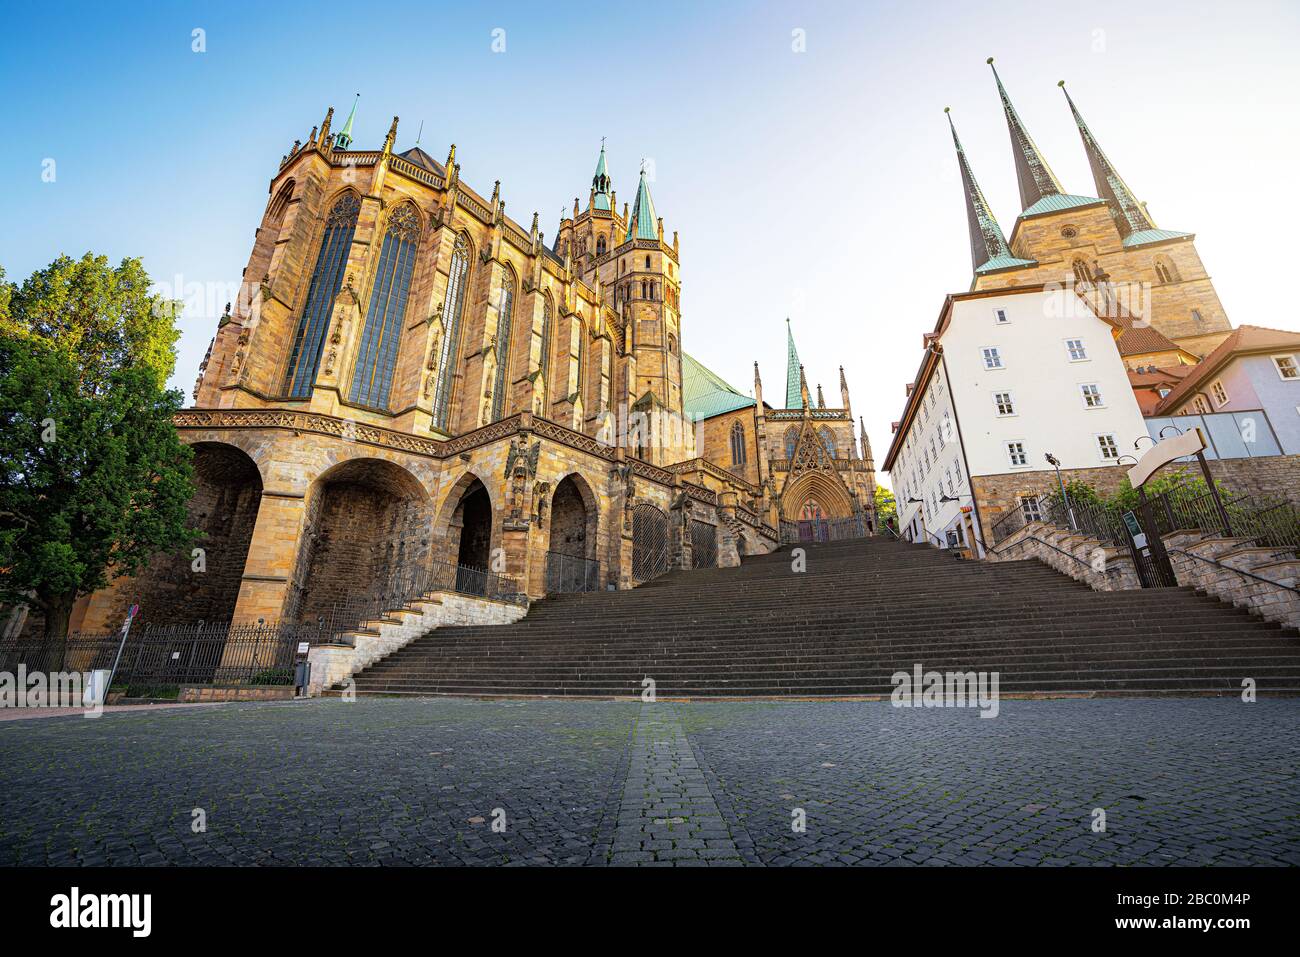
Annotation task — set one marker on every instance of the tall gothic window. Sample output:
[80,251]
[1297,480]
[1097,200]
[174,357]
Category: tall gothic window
[326,278]
[452,308]
[737,444]
[828,441]
[504,321]
[1082,277]
[372,379]
[544,362]
[791,440]
[600,245]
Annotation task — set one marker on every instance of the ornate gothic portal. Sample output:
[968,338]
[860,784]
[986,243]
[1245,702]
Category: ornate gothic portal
[367,519]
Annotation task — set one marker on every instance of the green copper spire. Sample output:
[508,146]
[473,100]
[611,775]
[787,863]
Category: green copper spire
[793,372]
[600,183]
[344,138]
[1035,177]
[988,247]
[1130,216]
[642,224]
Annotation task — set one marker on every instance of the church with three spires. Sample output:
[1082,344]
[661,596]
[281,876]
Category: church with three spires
[414,383]
[1158,288]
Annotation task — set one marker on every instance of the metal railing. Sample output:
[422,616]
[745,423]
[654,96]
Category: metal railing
[203,653]
[571,573]
[824,529]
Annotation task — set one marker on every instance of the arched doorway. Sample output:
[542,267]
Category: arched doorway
[474,516]
[204,586]
[367,530]
[571,556]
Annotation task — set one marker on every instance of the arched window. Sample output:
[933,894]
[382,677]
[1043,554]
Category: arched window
[505,319]
[544,363]
[791,440]
[372,378]
[737,444]
[811,511]
[453,306]
[647,262]
[1081,275]
[600,245]
[1165,270]
[326,279]
[828,440]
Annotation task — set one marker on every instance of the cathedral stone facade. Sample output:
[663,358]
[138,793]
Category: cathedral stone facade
[413,379]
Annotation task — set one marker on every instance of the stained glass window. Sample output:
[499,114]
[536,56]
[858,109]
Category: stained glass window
[372,378]
[451,314]
[326,279]
[504,321]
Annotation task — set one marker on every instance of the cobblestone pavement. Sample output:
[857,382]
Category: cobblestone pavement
[385,781]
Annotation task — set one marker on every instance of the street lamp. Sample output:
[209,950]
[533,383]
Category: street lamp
[1055,463]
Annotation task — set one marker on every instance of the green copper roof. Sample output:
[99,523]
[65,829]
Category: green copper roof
[1130,216]
[706,394]
[1033,175]
[600,182]
[998,263]
[1152,236]
[1053,204]
[643,216]
[793,393]
[344,138]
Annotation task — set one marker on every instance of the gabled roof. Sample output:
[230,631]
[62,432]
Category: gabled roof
[420,158]
[1058,202]
[1244,340]
[1146,237]
[1139,339]
[706,394]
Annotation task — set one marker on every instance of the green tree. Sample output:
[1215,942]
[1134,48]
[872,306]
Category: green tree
[886,507]
[93,478]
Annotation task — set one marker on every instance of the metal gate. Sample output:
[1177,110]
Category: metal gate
[1154,570]
[704,545]
[649,542]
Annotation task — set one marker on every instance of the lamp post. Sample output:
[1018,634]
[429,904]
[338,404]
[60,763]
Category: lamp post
[1055,463]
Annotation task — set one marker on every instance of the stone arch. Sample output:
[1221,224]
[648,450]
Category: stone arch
[573,524]
[367,521]
[188,587]
[823,488]
[450,524]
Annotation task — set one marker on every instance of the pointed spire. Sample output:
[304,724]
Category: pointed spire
[1130,215]
[821,399]
[844,390]
[803,390]
[642,223]
[451,160]
[344,138]
[390,137]
[988,247]
[325,126]
[1035,177]
[792,369]
[600,182]
[866,445]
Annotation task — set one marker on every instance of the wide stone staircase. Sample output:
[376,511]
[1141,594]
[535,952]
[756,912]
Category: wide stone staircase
[861,611]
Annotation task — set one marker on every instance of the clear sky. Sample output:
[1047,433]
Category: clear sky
[819,185]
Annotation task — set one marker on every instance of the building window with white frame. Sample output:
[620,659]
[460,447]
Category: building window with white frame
[1199,405]
[1076,350]
[1108,447]
[1286,367]
[1219,393]
[1017,457]
[1031,508]
[1091,396]
[992,358]
[1003,402]
[1000,317]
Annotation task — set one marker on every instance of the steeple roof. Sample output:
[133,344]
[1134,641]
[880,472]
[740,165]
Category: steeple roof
[1131,217]
[344,138]
[601,182]
[643,223]
[988,247]
[705,393]
[793,372]
[1035,177]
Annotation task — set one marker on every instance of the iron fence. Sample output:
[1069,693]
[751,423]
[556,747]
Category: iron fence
[203,653]
[571,573]
[824,529]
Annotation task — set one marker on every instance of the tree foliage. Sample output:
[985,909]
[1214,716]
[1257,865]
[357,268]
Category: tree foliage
[886,507]
[93,478]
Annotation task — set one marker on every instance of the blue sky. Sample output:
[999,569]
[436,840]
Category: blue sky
[818,184]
